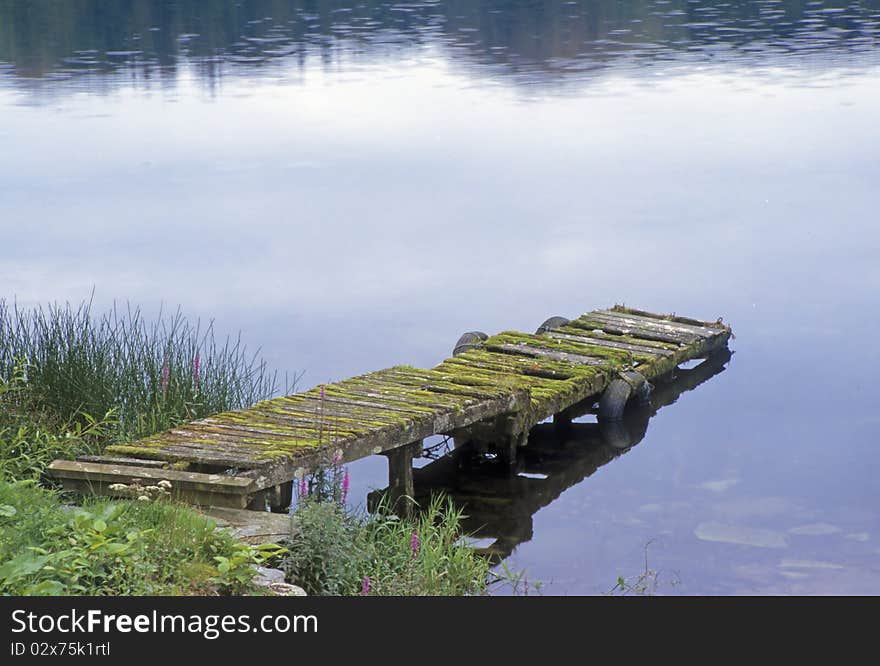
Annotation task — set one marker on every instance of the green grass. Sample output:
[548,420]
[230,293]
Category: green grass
[31,439]
[340,552]
[116,367]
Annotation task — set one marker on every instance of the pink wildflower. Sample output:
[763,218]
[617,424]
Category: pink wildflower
[414,544]
[365,586]
[303,487]
[337,457]
[166,372]
[346,483]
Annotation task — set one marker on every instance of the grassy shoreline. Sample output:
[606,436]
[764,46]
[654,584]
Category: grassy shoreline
[71,383]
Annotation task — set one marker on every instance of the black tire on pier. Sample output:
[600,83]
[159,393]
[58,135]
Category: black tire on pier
[467,341]
[629,385]
[551,323]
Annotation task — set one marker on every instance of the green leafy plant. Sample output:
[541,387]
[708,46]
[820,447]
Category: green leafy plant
[117,548]
[339,551]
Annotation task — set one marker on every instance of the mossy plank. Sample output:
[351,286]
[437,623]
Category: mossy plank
[301,406]
[173,454]
[271,423]
[543,341]
[302,432]
[403,410]
[338,398]
[516,364]
[431,380]
[386,395]
[463,390]
[432,402]
[534,370]
[423,390]
[528,372]
[544,352]
[347,419]
[489,371]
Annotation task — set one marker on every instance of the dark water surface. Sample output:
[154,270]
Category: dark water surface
[354,184]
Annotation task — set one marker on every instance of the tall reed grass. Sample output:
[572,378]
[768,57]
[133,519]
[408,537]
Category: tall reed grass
[150,376]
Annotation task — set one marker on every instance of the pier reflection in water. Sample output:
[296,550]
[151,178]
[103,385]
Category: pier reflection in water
[499,504]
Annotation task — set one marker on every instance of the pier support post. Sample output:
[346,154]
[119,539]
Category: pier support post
[562,419]
[280,497]
[508,446]
[400,477]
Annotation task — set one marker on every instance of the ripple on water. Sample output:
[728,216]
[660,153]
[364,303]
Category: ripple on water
[741,535]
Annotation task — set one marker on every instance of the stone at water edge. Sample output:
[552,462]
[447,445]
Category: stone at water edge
[273,579]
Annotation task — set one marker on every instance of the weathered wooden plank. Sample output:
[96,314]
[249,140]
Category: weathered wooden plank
[702,331]
[669,317]
[405,399]
[543,352]
[226,450]
[618,327]
[191,496]
[393,388]
[110,460]
[527,374]
[442,382]
[639,350]
[198,455]
[643,327]
[127,474]
[442,399]
[150,449]
[464,390]
[262,425]
[502,374]
[353,421]
[653,326]
[515,365]
[582,327]
[344,400]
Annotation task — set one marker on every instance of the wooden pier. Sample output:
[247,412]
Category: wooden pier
[492,392]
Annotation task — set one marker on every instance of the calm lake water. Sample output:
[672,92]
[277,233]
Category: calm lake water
[354,184]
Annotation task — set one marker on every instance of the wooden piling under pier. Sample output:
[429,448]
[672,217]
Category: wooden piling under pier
[494,393]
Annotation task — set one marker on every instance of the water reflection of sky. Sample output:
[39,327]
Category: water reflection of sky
[355,215]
